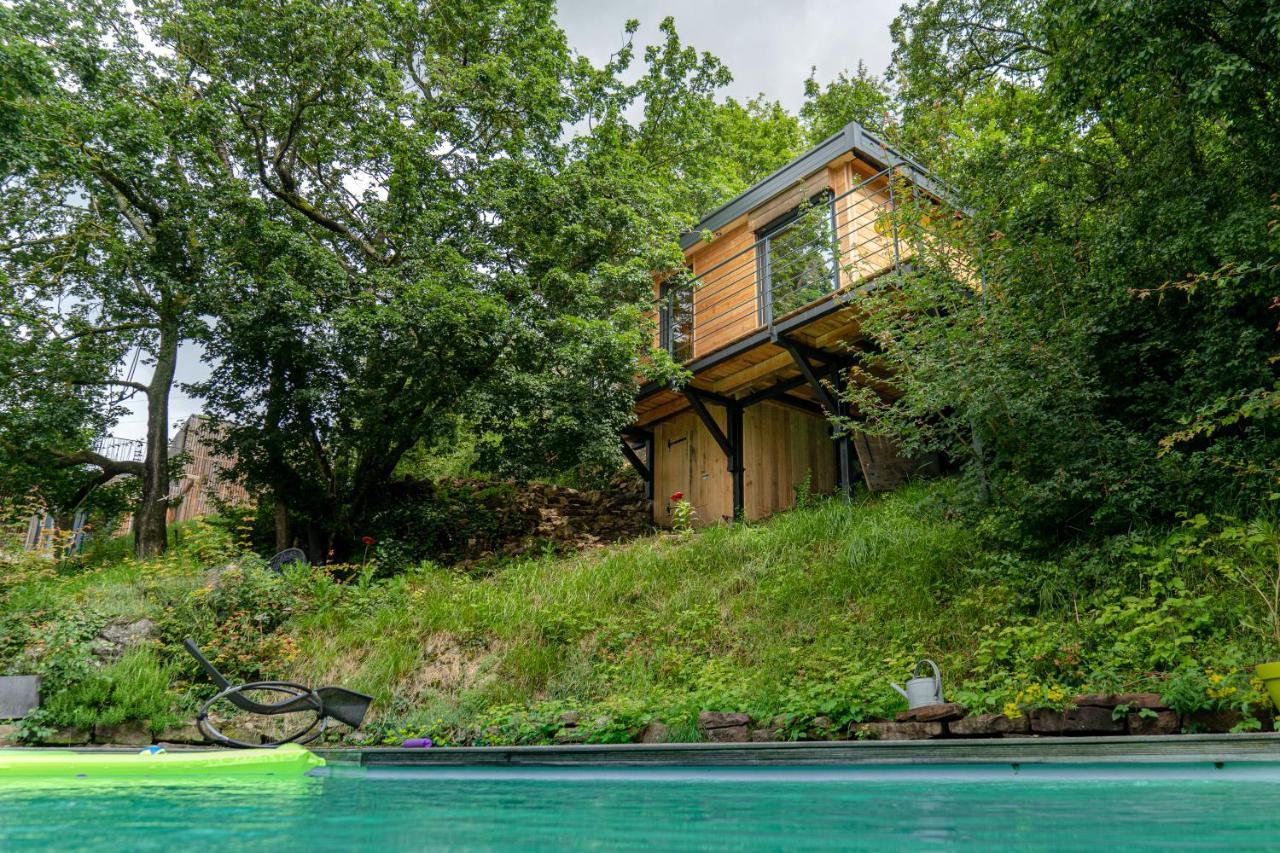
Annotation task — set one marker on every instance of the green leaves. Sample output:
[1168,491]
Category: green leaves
[1119,180]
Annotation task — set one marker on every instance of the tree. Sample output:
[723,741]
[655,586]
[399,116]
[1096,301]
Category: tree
[1118,164]
[106,196]
[430,240]
[849,97]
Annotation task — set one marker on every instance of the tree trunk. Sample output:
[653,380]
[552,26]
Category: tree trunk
[150,522]
[282,524]
[317,552]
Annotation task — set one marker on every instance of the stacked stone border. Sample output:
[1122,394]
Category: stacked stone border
[1088,715]
[1093,714]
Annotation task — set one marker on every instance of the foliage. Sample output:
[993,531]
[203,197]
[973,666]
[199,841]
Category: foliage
[445,520]
[494,268]
[849,97]
[107,200]
[135,688]
[682,514]
[806,616]
[1108,357]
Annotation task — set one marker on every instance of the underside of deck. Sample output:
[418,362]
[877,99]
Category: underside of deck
[766,364]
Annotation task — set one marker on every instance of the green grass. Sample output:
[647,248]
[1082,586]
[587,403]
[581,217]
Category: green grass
[807,615]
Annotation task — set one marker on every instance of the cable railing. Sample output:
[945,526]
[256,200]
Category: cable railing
[826,246]
[119,449]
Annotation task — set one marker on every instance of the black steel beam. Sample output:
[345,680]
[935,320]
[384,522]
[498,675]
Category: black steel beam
[806,370]
[811,352]
[799,403]
[713,397]
[700,408]
[775,390]
[641,468]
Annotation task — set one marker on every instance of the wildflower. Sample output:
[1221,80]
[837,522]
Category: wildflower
[368,540]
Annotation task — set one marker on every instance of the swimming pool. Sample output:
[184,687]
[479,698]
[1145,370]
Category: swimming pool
[960,807]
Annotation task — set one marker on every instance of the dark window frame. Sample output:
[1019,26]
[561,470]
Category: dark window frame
[764,242]
[666,316]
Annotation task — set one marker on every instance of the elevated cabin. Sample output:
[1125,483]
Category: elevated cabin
[765,317]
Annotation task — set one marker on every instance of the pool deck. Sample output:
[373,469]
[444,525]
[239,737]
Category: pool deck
[1172,749]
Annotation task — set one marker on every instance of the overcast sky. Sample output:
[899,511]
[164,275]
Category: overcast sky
[768,45]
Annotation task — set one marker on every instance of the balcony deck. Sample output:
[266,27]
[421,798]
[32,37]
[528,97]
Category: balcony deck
[739,315]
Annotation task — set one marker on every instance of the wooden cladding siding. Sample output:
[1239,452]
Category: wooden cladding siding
[782,447]
[726,296]
[865,241]
[688,460]
[724,304]
[204,486]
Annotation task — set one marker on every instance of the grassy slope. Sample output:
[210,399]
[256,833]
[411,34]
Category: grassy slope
[807,615]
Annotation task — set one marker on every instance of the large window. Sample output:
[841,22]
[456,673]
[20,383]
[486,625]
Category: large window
[796,255]
[676,325]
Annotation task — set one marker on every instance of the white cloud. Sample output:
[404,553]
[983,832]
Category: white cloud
[769,46]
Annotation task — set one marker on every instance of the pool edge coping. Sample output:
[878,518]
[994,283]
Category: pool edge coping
[1193,748]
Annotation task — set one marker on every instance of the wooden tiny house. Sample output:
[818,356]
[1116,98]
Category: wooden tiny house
[765,318]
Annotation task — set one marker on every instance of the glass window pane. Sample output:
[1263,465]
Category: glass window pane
[677,322]
[801,260]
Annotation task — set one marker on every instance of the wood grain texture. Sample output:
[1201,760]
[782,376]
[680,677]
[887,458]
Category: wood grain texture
[783,447]
[688,460]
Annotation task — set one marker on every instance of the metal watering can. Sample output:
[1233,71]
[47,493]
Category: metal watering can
[922,691]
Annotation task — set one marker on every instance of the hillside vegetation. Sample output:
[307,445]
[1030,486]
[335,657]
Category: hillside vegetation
[808,615]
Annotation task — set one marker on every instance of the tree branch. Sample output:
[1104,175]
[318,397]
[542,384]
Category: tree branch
[106,330]
[122,383]
[106,463]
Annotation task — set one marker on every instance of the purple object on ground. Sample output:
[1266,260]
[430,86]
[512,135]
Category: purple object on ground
[418,743]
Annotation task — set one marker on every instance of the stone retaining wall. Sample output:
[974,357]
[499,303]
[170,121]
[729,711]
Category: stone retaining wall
[1090,715]
[1097,714]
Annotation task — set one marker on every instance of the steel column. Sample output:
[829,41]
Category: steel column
[644,470]
[731,443]
[737,467]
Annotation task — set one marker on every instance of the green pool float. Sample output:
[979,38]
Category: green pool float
[26,764]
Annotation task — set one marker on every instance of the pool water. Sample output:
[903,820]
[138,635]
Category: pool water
[924,808]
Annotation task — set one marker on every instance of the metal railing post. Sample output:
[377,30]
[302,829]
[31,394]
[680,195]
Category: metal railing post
[893,219]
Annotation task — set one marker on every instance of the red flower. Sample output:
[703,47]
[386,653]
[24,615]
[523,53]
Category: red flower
[678,496]
[368,540]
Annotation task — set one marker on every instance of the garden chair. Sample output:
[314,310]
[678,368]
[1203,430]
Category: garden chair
[287,557]
[321,704]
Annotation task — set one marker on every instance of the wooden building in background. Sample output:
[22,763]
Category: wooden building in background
[765,318]
[203,487]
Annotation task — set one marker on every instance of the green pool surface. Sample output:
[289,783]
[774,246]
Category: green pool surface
[1028,807]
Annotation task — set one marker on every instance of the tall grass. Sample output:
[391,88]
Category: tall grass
[807,615]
